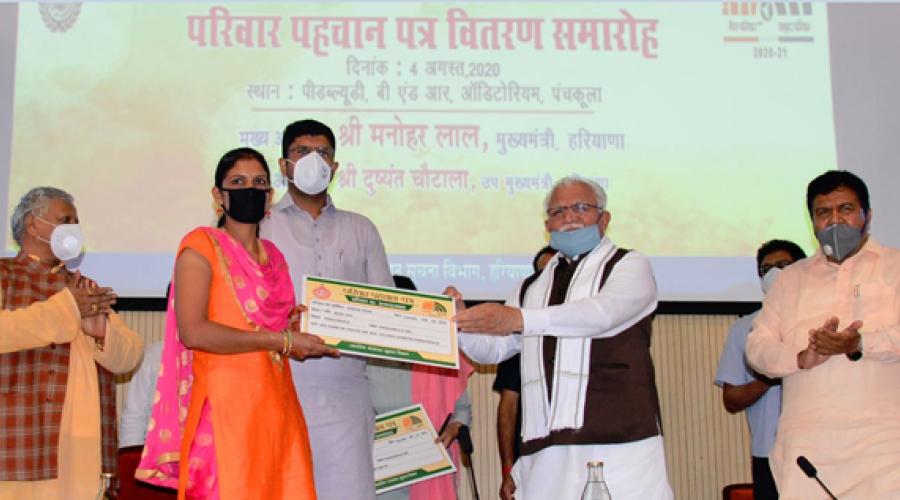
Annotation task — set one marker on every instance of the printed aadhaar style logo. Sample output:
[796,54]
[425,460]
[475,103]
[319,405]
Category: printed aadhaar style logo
[411,422]
[59,17]
[778,23]
[321,292]
[433,308]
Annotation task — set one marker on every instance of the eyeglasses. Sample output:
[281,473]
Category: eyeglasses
[576,208]
[324,151]
[781,264]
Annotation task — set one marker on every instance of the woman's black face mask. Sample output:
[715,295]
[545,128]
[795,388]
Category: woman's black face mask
[247,205]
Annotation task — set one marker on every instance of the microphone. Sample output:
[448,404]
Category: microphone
[465,440]
[812,473]
[465,444]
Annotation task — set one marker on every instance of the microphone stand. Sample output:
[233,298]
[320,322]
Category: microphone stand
[465,445]
[810,470]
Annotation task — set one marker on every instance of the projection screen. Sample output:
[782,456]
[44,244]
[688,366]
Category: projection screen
[703,121]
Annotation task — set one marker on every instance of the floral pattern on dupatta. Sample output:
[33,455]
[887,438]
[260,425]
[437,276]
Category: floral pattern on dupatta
[265,295]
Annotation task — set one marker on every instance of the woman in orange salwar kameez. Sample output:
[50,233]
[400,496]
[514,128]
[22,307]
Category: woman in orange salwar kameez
[226,422]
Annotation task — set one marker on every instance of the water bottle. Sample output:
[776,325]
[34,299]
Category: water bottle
[107,487]
[595,488]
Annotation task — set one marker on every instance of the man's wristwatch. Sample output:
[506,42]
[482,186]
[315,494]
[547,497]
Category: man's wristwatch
[857,354]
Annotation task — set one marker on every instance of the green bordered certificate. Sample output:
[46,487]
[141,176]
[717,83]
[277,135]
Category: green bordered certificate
[405,451]
[382,322]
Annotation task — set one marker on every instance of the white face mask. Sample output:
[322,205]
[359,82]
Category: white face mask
[66,240]
[312,174]
[768,279]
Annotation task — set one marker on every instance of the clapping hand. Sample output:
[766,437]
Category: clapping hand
[94,304]
[809,358]
[91,299]
[827,340]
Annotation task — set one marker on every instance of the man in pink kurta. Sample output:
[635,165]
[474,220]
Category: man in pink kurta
[830,328]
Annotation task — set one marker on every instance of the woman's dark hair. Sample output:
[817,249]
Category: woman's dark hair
[229,160]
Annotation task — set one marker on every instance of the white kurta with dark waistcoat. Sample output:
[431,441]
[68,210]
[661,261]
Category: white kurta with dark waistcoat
[634,470]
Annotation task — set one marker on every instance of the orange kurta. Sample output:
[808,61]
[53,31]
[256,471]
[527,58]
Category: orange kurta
[261,439]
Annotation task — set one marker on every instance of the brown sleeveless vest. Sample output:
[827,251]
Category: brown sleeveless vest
[33,385]
[622,403]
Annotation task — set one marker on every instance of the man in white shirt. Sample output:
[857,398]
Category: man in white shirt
[318,239]
[139,402]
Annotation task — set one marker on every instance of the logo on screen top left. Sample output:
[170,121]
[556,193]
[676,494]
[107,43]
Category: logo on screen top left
[59,17]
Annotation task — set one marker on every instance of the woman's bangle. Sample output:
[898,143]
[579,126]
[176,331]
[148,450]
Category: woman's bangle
[507,470]
[288,342]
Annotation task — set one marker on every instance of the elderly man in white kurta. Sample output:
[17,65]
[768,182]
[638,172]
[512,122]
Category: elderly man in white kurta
[583,327]
[830,328]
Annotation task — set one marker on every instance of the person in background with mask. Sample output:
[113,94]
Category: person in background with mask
[227,423]
[318,239]
[742,387]
[60,349]
[508,383]
[583,327]
[830,329]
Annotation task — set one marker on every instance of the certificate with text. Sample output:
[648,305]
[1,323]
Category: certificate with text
[382,322]
[405,451]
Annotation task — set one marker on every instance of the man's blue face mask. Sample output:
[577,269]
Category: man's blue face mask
[577,241]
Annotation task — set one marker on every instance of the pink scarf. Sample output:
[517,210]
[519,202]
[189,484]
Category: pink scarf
[162,451]
[438,389]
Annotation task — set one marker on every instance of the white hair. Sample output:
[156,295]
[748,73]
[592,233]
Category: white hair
[36,202]
[573,179]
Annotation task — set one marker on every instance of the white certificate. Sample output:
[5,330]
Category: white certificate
[382,322]
[405,451]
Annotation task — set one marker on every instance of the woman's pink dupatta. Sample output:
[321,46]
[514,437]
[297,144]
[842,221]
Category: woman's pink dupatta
[266,296]
[438,389]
